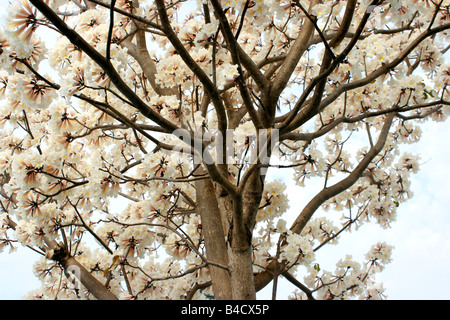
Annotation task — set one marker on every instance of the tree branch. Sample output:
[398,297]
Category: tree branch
[60,254]
[238,55]
[110,31]
[105,64]
[321,35]
[298,284]
[263,278]
[293,57]
[192,65]
[297,118]
[129,15]
[121,118]
[211,90]
[309,136]
[344,184]
[382,70]
[140,52]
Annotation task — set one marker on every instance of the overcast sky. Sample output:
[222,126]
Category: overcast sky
[421,257]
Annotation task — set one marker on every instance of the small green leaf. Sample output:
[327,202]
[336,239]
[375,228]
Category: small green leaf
[113,264]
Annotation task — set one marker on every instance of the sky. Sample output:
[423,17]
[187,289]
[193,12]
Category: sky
[420,236]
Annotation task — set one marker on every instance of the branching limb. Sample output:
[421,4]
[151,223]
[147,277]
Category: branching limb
[197,286]
[192,65]
[118,116]
[238,56]
[298,284]
[140,52]
[297,136]
[105,64]
[89,228]
[321,35]
[384,69]
[59,253]
[344,184]
[263,278]
[145,21]
[293,57]
[296,118]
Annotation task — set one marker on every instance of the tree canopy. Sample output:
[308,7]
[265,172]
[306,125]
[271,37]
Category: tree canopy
[137,137]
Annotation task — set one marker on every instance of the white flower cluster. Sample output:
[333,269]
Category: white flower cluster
[321,230]
[274,201]
[350,280]
[298,250]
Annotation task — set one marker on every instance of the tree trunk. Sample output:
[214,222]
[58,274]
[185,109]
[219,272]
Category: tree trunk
[242,282]
[240,255]
[241,251]
[216,248]
[237,283]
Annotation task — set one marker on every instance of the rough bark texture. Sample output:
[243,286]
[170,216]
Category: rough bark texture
[242,283]
[216,249]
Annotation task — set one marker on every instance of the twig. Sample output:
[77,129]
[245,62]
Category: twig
[89,229]
[241,23]
[438,7]
[110,31]
[197,286]
[314,22]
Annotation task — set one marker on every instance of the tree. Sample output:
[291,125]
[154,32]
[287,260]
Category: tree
[179,109]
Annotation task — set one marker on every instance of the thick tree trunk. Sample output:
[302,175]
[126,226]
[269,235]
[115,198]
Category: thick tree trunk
[217,218]
[242,282]
[241,229]
[216,248]
[240,256]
